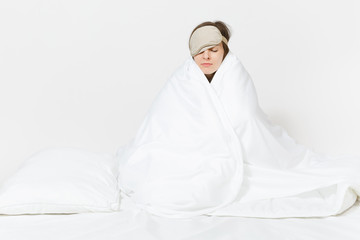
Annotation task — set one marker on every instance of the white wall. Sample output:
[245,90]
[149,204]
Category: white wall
[83,73]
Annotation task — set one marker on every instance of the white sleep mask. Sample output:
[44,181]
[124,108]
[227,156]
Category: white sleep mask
[204,38]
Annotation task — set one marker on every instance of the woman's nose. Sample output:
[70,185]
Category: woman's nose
[206,54]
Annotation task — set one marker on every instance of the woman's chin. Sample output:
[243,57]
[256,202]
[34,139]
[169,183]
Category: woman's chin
[206,72]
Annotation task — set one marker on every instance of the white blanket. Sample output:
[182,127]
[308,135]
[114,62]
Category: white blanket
[209,149]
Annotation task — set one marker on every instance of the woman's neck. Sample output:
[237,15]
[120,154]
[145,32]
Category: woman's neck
[210,76]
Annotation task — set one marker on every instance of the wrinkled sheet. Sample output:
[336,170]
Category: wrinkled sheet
[210,149]
[138,224]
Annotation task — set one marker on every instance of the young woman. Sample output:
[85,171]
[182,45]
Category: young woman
[209,46]
[206,147]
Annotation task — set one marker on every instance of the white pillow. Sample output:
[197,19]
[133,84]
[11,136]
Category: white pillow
[62,180]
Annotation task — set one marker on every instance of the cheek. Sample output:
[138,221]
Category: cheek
[197,61]
[218,61]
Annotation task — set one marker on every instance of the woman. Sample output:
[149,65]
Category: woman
[208,46]
[206,147]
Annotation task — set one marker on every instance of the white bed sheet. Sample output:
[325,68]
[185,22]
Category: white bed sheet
[137,224]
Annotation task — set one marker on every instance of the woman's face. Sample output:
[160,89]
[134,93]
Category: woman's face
[210,60]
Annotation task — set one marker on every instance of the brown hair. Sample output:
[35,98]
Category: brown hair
[223,28]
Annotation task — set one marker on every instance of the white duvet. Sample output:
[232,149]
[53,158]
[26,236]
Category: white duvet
[209,149]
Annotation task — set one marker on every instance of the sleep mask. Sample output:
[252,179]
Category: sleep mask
[204,38]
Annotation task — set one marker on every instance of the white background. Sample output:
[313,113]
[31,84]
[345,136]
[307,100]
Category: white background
[83,73]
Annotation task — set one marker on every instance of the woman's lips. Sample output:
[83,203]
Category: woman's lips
[206,64]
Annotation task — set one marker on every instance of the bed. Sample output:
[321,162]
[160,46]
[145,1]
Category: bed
[73,194]
[137,224]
